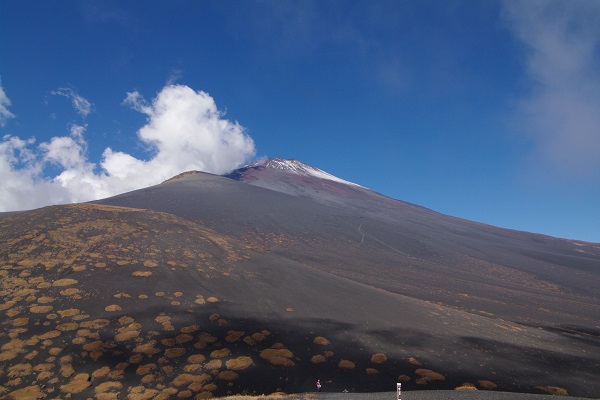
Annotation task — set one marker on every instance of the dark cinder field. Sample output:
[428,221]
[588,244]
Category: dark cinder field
[261,282]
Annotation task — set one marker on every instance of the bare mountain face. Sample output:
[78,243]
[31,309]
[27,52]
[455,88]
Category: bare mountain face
[280,274]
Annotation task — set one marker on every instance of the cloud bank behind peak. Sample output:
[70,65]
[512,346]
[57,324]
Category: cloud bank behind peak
[184,131]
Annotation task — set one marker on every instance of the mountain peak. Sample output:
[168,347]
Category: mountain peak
[296,167]
[281,163]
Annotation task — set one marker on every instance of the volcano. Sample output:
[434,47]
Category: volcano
[279,274]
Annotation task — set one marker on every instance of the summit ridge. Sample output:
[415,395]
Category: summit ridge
[298,168]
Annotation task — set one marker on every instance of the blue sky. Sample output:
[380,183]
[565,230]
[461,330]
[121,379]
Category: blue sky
[485,110]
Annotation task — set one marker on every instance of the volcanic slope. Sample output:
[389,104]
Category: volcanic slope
[348,231]
[411,250]
[205,285]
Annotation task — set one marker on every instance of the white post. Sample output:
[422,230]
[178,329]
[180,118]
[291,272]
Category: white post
[399,390]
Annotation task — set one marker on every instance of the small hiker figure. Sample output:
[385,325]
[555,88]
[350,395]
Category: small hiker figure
[318,385]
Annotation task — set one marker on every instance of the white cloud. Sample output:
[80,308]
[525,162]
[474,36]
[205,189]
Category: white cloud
[187,131]
[184,131]
[81,105]
[67,152]
[4,104]
[21,187]
[562,112]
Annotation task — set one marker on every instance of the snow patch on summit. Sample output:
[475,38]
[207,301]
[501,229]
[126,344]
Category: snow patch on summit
[298,168]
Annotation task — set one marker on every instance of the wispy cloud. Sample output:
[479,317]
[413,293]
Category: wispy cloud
[562,110]
[4,104]
[184,131]
[102,13]
[175,75]
[81,105]
[136,101]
